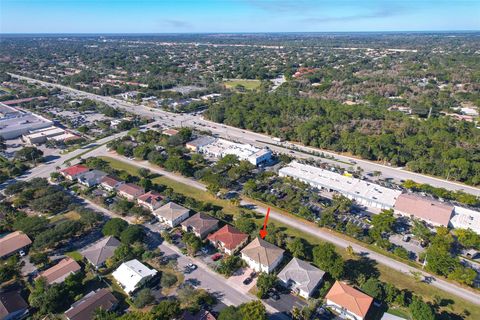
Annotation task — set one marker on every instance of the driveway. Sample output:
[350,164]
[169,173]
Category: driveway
[286,303]
[236,280]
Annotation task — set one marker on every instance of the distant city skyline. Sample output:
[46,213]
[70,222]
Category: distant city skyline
[188,16]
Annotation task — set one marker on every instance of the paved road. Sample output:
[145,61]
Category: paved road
[313,230]
[245,136]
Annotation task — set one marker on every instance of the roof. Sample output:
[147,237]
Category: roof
[200,222]
[131,273]
[60,271]
[151,197]
[230,237]
[130,188]
[201,315]
[170,132]
[340,183]
[201,141]
[171,211]
[11,302]
[424,208]
[110,181]
[350,298]
[93,175]
[306,276]
[100,251]
[262,251]
[12,242]
[84,308]
[74,170]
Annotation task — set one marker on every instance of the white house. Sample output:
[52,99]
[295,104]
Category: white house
[262,256]
[172,214]
[132,274]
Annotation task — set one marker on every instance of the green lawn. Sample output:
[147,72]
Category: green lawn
[248,84]
[75,255]
[389,275]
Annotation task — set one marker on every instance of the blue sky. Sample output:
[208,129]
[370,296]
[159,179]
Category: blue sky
[159,16]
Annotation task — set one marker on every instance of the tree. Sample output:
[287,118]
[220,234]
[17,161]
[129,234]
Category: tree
[131,234]
[253,310]
[245,224]
[374,288]
[383,221]
[142,298]
[265,282]
[192,242]
[168,279]
[166,310]
[297,248]
[29,154]
[421,310]
[468,238]
[114,227]
[144,172]
[327,259]
[47,299]
[230,313]
[229,265]
[31,225]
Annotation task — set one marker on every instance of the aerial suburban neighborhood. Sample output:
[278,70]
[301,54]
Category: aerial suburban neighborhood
[184,174]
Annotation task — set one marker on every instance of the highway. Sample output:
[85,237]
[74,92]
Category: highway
[244,136]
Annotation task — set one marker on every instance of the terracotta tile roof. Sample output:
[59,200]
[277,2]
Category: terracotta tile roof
[74,170]
[151,197]
[60,271]
[350,298]
[262,251]
[130,188]
[110,181]
[230,237]
[201,315]
[12,242]
[84,308]
[424,208]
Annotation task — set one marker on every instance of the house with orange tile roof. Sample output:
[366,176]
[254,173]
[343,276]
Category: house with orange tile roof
[74,172]
[59,272]
[348,302]
[228,239]
[151,200]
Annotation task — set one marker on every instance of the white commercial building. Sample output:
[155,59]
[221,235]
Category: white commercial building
[363,192]
[41,135]
[464,218]
[132,274]
[220,148]
[14,123]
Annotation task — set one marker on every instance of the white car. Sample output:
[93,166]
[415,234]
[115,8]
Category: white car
[21,253]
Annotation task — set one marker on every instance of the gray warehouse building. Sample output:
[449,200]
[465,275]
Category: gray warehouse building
[14,123]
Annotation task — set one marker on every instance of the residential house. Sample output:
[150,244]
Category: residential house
[301,277]
[13,242]
[12,306]
[130,191]
[59,272]
[200,315]
[170,132]
[74,172]
[92,178]
[429,210]
[132,274]
[84,309]
[348,302]
[262,256]
[151,200]
[200,224]
[110,183]
[228,239]
[171,214]
[98,252]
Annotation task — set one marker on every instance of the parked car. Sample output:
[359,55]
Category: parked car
[273,295]
[253,274]
[406,238]
[217,256]
[192,266]
[205,250]
[247,280]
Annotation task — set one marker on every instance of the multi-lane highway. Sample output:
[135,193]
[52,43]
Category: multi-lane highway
[197,121]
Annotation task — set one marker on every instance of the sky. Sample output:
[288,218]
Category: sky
[194,16]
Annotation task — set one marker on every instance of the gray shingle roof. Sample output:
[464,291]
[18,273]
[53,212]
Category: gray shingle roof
[100,251]
[305,276]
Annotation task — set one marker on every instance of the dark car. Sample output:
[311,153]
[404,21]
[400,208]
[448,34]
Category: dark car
[253,274]
[247,280]
[274,295]
[217,256]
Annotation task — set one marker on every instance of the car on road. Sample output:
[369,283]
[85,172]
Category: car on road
[247,280]
[192,266]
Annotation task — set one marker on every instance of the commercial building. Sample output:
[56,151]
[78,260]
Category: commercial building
[132,274]
[172,214]
[262,256]
[464,218]
[220,148]
[42,135]
[84,309]
[15,123]
[429,210]
[59,272]
[13,242]
[200,224]
[301,277]
[228,239]
[348,302]
[199,142]
[363,192]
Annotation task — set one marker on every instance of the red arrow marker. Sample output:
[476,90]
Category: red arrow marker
[263,232]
